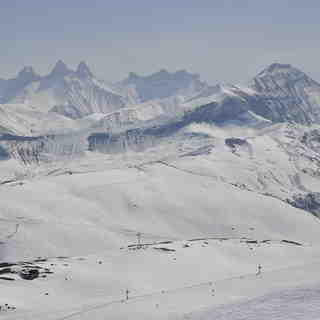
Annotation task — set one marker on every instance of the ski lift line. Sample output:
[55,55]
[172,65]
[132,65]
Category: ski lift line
[170,291]
[135,298]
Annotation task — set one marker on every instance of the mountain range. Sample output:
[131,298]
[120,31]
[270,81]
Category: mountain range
[108,188]
[69,113]
[279,93]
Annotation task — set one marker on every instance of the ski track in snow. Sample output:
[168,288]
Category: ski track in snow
[272,300]
[277,305]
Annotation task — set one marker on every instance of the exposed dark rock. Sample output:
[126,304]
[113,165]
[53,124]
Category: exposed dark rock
[252,241]
[309,202]
[40,260]
[165,249]
[233,142]
[292,242]
[286,94]
[29,274]
[4,154]
[7,264]
[5,270]
[7,278]
[312,139]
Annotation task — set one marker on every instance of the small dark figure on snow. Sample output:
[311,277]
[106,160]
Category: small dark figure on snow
[259,270]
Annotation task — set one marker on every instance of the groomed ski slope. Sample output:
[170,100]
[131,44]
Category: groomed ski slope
[210,276]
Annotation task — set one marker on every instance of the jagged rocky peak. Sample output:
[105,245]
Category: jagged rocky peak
[28,74]
[83,70]
[287,94]
[277,67]
[60,70]
[279,77]
[163,84]
[279,71]
[132,76]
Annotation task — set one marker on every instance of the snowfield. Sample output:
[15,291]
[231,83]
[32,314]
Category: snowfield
[204,235]
[159,197]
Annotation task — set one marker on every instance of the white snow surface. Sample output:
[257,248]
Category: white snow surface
[208,216]
[209,210]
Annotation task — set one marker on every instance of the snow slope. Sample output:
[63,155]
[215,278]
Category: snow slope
[211,185]
[96,210]
[103,205]
[205,213]
[206,277]
[275,295]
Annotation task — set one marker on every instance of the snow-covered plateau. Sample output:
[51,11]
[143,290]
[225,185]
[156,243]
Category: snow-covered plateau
[159,197]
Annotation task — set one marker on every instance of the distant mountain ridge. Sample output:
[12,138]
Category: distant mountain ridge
[70,113]
[76,94]
[289,94]
[164,84]
[71,93]
[280,93]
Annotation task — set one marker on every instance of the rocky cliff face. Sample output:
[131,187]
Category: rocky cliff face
[288,94]
[82,94]
[41,149]
[25,149]
[312,139]
[309,202]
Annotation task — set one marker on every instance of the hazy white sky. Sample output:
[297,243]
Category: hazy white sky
[223,40]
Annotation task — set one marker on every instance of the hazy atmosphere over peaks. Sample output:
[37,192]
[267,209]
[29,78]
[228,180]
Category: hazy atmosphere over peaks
[143,140]
[228,41]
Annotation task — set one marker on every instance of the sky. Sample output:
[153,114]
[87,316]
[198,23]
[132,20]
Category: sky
[222,40]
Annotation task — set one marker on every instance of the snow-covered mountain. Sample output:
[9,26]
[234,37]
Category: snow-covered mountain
[218,179]
[219,199]
[71,93]
[289,94]
[280,93]
[77,94]
[19,86]
[164,84]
